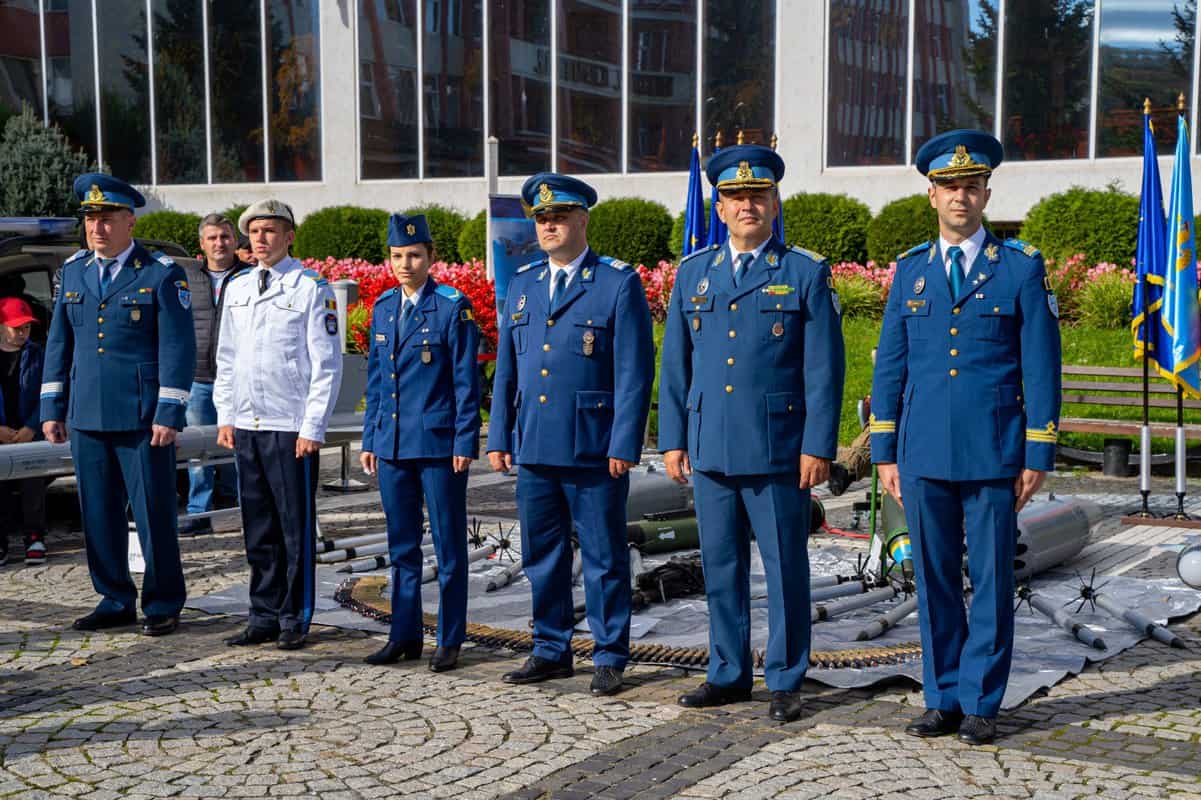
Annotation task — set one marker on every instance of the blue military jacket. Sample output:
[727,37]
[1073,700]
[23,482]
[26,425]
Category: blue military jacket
[752,376]
[969,388]
[123,360]
[573,388]
[423,392]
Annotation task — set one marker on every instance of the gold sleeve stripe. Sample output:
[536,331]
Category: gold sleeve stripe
[1040,435]
[882,427]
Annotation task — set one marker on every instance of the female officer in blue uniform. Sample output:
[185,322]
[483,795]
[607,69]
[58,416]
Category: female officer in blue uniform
[421,433]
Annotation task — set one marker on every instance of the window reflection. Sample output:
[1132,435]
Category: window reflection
[70,75]
[589,85]
[178,86]
[954,67]
[1146,52]
[868,58]
[124,90]
[387,88]
[454,100]
[1048,69]
[236,90]
[520,83]
[20,58]
[662,83]
[740,46]
[293,81]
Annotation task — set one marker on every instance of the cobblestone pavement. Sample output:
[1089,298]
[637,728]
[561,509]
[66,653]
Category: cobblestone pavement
[115,714]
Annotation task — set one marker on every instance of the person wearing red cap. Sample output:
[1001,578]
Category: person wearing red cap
[20,382]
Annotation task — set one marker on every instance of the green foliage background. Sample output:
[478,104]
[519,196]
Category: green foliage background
[37,169]
[1101,224]
[445,225]
[832,224]
[632,229]
[170,226]
[343,232]
[473,244]
[899,226]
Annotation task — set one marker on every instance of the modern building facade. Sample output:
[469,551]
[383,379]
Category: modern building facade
[390,103]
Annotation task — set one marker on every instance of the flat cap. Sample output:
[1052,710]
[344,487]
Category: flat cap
[266,209]
[745,166]
[551,191]
[959,154]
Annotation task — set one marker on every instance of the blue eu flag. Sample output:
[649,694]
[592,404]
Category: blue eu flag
[777,226]
[1152,255]
[1179,346]
[694,208]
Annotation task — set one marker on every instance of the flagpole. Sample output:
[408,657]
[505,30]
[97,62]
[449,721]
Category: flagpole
[1181,461]
[1144,459]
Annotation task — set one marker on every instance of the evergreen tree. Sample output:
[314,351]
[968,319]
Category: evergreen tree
[37,169]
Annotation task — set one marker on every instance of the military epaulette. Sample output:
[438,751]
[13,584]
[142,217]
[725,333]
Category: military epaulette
[387,294]
[315,276]
[615,263]
[163,259]
[449,292]
[921,248]
[818,257]
[699,252]
[529,266]
[78,255]
[1025,248]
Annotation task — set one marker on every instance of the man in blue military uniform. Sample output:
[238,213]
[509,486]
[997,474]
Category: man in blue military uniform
[421,432]
[966,400]
[750,390]
[574,370]
[119,361]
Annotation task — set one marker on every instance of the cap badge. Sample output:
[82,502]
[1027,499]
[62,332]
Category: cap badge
[95,195]
[744,171]
[411,229]
[545,195]
[961,157]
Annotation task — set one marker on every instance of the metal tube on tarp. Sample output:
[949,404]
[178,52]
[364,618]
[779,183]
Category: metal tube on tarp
[887,620]
[1063,619]
[832,592]
[1139,620]
[503,576]
[826,611]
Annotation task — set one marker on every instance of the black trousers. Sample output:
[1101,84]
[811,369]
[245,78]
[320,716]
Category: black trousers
[23,506]
[279,513]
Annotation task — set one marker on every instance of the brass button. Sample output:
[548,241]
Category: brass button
[790,406]
[550,323]
[730,361]
[600,404]
[733,334]
[256,419]
[996,309]
[729,388]
[733,306]
[394,395]
[954,352]
[954,372]
[546,348]
[393,356]
[100,335]
[393,416]
[954,331]
[778,306]
[99,349]
[1019,398]
[393,376]
[425,341]
[545,372]
[956,310]
[541,398]
[103,305]
[100,320]
[589,322]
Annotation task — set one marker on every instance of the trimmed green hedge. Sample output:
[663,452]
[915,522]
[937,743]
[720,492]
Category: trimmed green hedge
[170,226]
[899,226]
[445,225]
[473,238]
[343,232]
[632,229]
[1101,224]
[832,224]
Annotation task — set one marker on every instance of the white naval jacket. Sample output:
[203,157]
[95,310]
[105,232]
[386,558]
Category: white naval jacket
[279,356]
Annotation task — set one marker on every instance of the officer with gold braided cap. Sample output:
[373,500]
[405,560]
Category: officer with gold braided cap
[966,398]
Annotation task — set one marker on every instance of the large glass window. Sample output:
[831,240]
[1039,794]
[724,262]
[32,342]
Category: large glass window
[294,84]
[740,72]
[662,83]
[20,58]
[454,87]
[867,80]
[236,90]
[589,85]
[178,30]
[125,90]
[519,91]
[954,67]
[388,88]
[1146,52]
[71,74]
[1048,69]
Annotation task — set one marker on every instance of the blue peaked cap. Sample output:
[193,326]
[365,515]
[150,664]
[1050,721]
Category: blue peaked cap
[745,166]
[97,191]
[548,191]
[959,154]
[403,231]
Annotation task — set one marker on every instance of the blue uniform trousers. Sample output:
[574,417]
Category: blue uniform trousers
[728,508]
[114,468]
[279,513]
[549,499]
[965,656]
[402,484]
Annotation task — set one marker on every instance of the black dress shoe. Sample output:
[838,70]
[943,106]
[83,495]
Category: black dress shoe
[978,730]
[159,625]
[785,706]
[253,635]
[290,640]
[935,722]
[536,670]
[606,681]
[444,659]
[99,620]
[392,652]
[708,694]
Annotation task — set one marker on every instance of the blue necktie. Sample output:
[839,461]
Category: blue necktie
[955,274]
[560,287]
[106,274]
[744,264]
[406,311]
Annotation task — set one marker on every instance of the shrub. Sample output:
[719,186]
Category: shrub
[675,241]
[1103,224]
[473,239]
[1104,299]
[1067,277]
[832,224]
[170,226]
[899,226]
[232,214]
[859,296]
[445,225]
[343,232]
[38,167]
[630,228]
